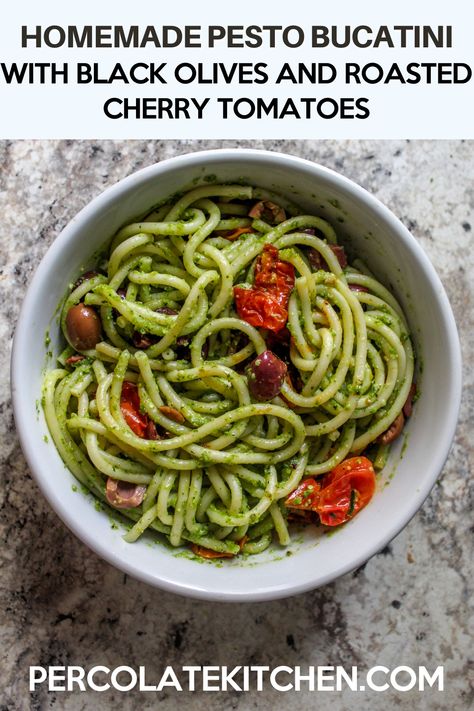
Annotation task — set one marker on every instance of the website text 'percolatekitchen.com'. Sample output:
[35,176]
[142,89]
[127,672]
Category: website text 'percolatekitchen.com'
[238,678]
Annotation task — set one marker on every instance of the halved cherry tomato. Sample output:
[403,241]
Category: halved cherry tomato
[260,308]
[305,496]
[265,305]
[74,359]
[270,271]
[232,235]
[341,494]
[346,490]
[208,553]
[130,406]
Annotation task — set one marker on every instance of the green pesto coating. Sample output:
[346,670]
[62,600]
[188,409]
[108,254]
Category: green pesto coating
[222,465]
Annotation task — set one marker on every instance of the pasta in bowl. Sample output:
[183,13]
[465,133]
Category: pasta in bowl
[225,360]
[231,374]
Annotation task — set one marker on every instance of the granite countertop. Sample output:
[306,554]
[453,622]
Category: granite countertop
[60,604]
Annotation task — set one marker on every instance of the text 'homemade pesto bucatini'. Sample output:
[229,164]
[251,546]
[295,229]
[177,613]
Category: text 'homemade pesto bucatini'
[227,372]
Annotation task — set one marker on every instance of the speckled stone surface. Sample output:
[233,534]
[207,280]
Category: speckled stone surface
[410,604]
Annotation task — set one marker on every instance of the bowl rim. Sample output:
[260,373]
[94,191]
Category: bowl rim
[234,155]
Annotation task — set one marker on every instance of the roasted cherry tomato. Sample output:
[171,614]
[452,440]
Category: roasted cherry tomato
[271,272]
[74,359]
[305,496]
[208,553]
[346,490]
[265,305]
[340,495]
[130,406]
[260,308]
[232,235]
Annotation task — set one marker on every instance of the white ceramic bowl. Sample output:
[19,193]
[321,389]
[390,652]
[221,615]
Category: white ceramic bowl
[396,259]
